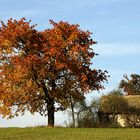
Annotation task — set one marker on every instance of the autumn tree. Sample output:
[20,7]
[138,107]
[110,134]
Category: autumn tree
[41,68]
[131,86]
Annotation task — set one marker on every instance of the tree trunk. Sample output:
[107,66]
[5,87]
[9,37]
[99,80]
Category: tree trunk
[51,109]
[73,115]
[50,105]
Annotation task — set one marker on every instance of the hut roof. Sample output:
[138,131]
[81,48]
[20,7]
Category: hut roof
[133,100]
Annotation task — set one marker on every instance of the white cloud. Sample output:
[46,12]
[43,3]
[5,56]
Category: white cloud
[117,49]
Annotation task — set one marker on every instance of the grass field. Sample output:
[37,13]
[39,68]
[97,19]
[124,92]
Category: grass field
[68,134]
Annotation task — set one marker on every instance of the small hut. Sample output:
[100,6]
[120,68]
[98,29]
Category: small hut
[132,116]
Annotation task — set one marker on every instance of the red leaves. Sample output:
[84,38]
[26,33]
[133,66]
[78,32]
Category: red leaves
[131,85]
[30,61]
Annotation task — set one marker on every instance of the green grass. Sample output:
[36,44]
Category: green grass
[68,134]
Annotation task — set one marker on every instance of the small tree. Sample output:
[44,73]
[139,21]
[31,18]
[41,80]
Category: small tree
[131,86]
[41,68]
[84,115]
[88,117]
[74,109]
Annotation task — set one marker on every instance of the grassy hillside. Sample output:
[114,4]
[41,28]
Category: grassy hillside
[68,134]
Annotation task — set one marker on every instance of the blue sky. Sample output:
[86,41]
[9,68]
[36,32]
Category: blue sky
[115,25]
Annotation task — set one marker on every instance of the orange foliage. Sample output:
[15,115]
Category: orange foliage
[40,68]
